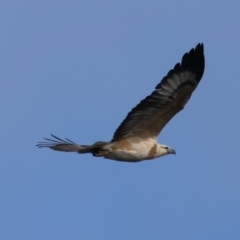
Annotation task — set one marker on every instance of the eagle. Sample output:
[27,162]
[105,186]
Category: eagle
[135,139]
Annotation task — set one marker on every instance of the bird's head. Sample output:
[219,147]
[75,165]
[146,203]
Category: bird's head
[164,150]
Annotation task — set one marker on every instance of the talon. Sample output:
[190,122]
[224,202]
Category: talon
[103,152]
[100,153]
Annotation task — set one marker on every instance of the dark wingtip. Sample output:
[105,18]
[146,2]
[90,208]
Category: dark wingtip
[194,60]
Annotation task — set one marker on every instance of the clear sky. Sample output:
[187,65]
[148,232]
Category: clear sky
[75,69]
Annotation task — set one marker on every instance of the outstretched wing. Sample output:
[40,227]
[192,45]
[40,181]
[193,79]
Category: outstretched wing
[149,117]
[59,144]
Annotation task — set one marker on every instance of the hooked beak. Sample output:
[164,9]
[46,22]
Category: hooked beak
[172,151]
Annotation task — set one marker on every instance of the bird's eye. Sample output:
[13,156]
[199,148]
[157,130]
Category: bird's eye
[166,148]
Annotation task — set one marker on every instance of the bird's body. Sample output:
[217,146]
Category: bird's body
[134,149]
[136,137]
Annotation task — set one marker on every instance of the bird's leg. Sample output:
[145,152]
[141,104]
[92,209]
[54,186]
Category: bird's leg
[100,153]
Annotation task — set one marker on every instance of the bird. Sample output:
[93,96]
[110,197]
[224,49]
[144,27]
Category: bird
[135,139]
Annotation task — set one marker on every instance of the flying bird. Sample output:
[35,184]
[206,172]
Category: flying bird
[135,139]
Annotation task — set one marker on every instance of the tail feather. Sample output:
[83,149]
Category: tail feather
[92,148]
[59,144]
[66,145]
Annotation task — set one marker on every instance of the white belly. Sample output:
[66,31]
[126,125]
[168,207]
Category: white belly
[137,152]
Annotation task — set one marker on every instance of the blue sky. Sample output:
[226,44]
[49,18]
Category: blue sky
[75,69]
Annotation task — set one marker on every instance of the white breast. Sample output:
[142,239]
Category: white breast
[136,150]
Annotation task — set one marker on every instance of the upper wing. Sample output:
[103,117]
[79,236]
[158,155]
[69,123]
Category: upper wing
[149,117]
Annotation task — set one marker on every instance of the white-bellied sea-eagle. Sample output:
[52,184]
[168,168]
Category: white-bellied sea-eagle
[136,138]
